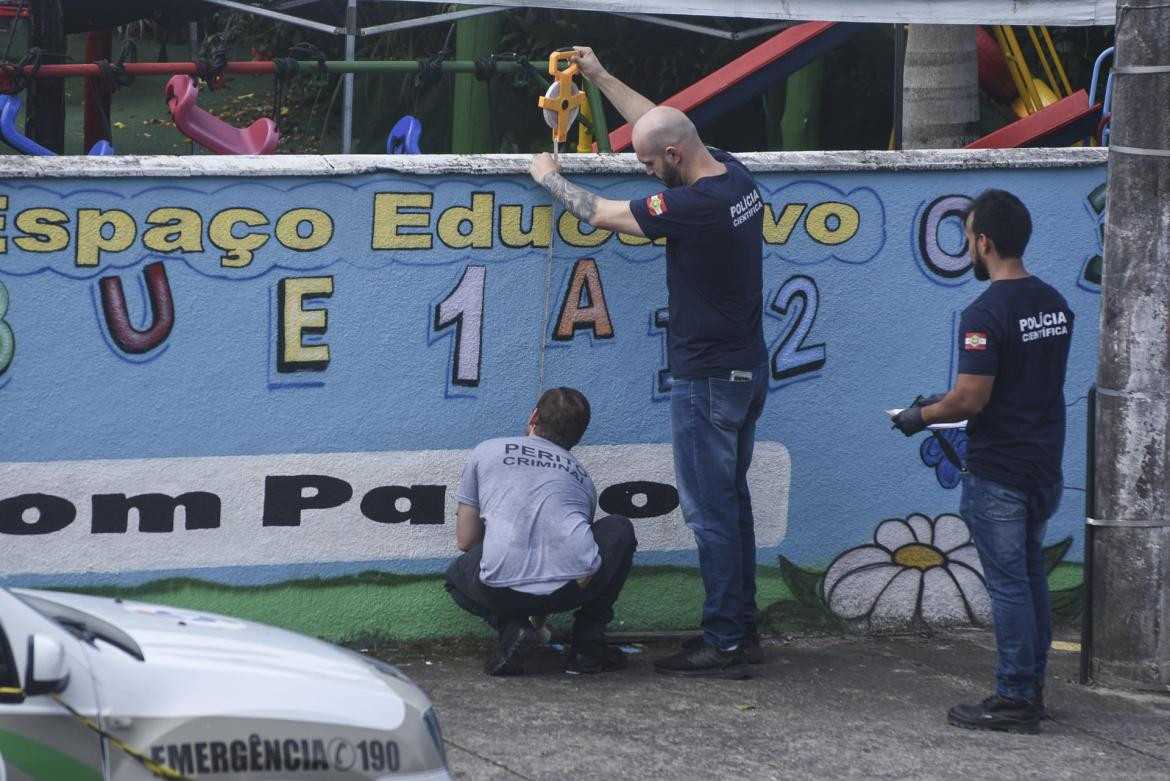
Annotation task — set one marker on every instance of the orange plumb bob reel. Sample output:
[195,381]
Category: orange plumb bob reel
[563,101]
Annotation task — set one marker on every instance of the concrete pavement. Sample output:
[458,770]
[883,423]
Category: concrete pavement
[821,707]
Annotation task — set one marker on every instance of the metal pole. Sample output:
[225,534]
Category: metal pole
[266,67]
[193,35]
[98,44]
[472,120]
[1131,541]
[801,123]
[258,11]
[597,112]
[351,31]
[407,24]
[899,66]
[727,35]
[45,108]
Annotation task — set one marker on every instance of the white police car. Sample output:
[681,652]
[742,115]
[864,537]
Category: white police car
[94,688]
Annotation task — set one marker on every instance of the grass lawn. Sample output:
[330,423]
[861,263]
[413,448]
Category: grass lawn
[374,605]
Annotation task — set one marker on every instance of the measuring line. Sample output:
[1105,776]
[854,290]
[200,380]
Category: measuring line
[552,232]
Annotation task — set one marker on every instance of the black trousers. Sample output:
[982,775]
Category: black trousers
[593,604]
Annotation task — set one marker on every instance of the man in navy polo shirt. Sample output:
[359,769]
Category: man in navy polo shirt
[1013,351]
[712,217]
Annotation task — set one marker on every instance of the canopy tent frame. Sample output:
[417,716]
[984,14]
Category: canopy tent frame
[780,15]
[1063,12]
[352,32]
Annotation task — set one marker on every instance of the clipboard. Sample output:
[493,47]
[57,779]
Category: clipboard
[932,426]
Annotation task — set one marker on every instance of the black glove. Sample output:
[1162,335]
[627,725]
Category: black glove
[926,401]
[909,421]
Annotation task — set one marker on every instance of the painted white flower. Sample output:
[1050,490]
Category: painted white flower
[916,571]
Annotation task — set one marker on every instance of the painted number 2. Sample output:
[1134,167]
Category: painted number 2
[792,358]
[7,340]
[463,308]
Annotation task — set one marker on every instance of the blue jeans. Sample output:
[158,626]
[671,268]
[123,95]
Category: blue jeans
[713,429]
[1007,525]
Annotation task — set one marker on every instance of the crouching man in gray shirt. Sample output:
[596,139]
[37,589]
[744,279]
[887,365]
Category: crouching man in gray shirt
[532,547]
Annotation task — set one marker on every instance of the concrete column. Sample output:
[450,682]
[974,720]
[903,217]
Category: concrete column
[1130,573]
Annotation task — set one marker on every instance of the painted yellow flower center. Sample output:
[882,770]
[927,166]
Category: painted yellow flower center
[919,556]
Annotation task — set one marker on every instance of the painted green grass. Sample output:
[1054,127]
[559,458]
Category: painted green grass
[385,606]
[1066,575]
[412,607]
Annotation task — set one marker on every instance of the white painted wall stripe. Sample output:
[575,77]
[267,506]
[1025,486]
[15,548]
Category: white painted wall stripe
[336,534]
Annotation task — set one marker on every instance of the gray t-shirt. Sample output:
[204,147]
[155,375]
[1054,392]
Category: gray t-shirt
[537,503]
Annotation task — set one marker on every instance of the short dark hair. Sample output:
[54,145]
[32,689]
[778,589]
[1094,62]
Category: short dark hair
[1003,218]
[562,415]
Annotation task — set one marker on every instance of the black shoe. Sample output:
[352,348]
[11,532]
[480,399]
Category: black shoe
[705,661]
[997,713]
[750,645]
[1038,704]
[517,640]
[611,660]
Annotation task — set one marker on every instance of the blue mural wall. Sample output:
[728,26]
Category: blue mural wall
[327,328]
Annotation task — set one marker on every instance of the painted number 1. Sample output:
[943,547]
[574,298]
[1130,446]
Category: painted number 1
[7,340]
[792,358]
[463,308]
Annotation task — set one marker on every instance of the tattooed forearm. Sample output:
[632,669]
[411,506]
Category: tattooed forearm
[578,200]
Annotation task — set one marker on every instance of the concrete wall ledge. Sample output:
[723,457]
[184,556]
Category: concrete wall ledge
[27,167]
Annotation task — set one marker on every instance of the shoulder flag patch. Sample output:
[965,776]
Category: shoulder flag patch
[975,341]
[657,204]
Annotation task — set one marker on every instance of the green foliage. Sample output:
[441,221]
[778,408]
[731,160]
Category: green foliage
[792,616]
[1054,553]
[806,611]
[1067,605]
[805,585]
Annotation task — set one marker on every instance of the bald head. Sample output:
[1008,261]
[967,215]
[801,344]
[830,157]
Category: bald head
[667,144]
[663,126]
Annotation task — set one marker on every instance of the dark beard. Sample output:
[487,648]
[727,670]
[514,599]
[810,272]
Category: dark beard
[979,268]
[671,176]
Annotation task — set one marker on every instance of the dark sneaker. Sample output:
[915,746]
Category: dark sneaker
[750,645]
[611,660]
[705,661]
[517,640]
[997,713]
[1038,704]
[752,650]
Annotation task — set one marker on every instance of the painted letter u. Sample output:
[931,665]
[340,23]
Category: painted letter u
[118,319]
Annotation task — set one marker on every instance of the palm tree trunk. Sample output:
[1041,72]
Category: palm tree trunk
[940,89]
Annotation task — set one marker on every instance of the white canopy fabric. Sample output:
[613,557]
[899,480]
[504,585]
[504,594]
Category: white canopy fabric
[1063,13]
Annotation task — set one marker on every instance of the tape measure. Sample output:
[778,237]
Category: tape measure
[562,101]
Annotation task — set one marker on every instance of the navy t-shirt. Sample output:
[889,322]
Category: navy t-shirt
[714,269]
[1019,330]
